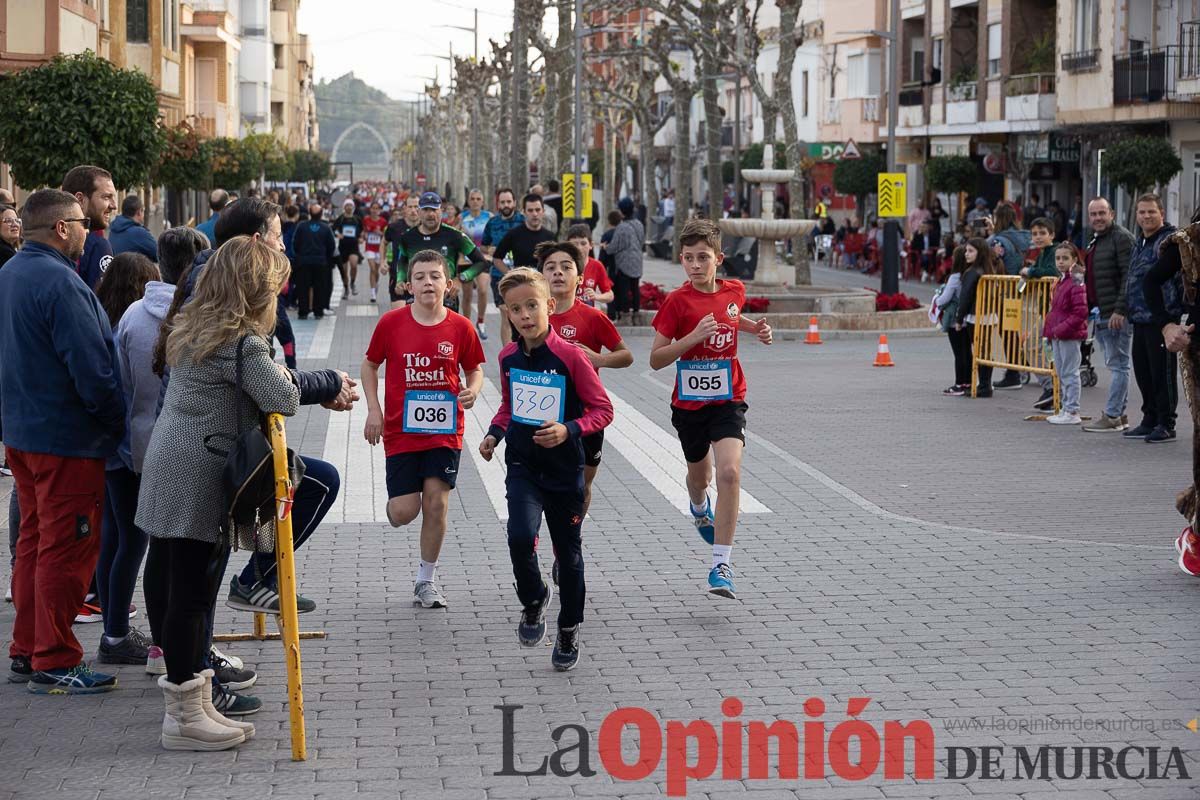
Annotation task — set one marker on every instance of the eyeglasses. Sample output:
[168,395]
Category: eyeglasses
[80,220]
[15,222]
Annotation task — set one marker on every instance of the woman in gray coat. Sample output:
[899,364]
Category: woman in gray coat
[179,505]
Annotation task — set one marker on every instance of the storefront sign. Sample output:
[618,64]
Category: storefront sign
[1052,147]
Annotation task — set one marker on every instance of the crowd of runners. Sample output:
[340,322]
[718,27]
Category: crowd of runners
[134,441]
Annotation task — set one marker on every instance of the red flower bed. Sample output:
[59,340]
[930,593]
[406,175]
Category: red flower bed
[894,302]
[652,296]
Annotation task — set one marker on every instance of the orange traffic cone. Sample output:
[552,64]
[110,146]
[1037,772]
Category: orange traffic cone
[814,334]
[883,356]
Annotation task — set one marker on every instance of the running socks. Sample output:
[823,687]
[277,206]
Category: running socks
[699,509]
[722,554]
[426,571]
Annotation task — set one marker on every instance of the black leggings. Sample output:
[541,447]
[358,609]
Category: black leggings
[960,344]
[182,579]
[985,373]
[122,546]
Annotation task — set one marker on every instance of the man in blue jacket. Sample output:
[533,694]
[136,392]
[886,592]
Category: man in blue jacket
[128,232]
[93,189]
[63,414]
[316,254]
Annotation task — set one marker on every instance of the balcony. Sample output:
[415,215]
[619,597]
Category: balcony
[1029,97]
[1152,75]
[912,106]
[867,110]
[212,119]
[1189,60]
[1081,61]
[961,105]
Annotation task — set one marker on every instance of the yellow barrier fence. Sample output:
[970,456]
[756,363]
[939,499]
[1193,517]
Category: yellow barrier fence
[1010,313]
[285,565]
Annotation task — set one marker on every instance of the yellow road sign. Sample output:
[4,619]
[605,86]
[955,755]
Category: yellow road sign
[568,194]
[891,194]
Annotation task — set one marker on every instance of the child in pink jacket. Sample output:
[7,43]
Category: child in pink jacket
[1066,327]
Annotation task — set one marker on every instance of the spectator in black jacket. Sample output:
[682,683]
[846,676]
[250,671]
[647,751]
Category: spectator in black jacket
[316,254]
[981,261]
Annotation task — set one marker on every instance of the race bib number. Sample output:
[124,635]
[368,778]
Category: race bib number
[705,381]
[430,412]
[537,397]
[374,239]
[350,232]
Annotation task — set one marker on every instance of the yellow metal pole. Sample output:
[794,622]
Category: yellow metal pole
[286,566]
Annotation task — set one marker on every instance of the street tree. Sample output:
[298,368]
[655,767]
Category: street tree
[50,121]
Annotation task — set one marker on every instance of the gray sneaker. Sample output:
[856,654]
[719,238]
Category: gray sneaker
[427,595]
[1107,424]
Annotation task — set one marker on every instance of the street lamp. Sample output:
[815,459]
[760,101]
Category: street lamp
[890,280]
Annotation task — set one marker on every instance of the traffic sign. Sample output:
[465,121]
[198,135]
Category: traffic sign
[891,194]
[568,195]
[850,150]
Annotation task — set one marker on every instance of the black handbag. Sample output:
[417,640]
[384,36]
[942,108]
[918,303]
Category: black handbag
[248,480]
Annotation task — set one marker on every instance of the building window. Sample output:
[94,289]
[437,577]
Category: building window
[916,64]
[993,65]
[170,24]
[276,115]
[935,60]
[137,21]
[862,74]
[1087,25]
[804,93]
[278,56]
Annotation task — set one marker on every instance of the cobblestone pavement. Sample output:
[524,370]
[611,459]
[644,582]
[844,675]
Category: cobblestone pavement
[1008,582]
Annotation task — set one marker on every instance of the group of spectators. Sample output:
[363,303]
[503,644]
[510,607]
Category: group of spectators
[118,402]
[1127,283]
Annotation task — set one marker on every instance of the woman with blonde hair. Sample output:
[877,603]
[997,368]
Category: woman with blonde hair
[230,317]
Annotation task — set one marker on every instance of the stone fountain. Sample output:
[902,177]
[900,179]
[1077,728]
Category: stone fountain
[774,278]
[767,229]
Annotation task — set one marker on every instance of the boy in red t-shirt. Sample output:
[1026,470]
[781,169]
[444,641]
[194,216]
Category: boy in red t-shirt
[697,330]
[594,284]
[587,328]
[373,229]
[422,421]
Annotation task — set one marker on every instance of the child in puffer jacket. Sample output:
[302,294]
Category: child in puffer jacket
[1066,327]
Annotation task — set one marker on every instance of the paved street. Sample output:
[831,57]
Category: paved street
[1009,582]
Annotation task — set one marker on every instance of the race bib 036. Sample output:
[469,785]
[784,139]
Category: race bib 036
[430,412]
[705,381]
[537,397]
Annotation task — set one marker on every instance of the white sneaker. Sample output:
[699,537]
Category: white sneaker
[1064,419]
[8,592]
[233,661]
[427,595]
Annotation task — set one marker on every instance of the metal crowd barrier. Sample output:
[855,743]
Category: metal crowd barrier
[289,628]
[1010,313]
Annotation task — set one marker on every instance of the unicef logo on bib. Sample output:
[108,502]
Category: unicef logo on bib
[536,397]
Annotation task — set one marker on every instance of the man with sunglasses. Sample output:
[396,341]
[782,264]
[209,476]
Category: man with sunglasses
[59,427]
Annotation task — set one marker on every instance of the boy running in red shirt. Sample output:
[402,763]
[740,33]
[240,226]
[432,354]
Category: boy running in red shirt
[373,229]
[422,421]
[587,328]
[551,400]
[697,330]
[594,284]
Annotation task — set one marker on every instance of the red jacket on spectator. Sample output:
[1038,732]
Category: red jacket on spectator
[1068,314]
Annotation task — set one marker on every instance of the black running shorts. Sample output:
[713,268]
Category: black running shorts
[698,429]
[406,472]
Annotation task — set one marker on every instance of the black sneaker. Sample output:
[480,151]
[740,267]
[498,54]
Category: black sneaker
[566,649]
[232,704]
[21,670]
[1011,380]
[1045,402]
[133,649]
[531,630]
[1161,433]
[230,676]
[981,392]
[954,391]
[1140,432]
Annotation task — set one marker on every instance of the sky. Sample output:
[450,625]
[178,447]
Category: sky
[393,44]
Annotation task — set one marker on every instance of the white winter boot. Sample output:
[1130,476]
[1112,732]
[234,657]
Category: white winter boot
[206,695]
[186,726]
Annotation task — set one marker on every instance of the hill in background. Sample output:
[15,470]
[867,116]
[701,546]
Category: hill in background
[347,100]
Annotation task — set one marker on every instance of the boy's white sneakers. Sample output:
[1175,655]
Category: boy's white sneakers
[1064,418]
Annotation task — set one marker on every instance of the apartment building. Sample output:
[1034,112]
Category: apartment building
[1129,67]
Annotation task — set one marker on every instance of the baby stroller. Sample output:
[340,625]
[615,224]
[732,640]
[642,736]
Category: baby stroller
[1087,373]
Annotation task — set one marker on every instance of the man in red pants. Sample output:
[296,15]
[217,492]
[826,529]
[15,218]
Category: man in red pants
[63,414]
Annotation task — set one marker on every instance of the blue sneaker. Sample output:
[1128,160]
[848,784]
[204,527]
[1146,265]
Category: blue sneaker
[704,520]
[720,582]
[76,680]
[531,630]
